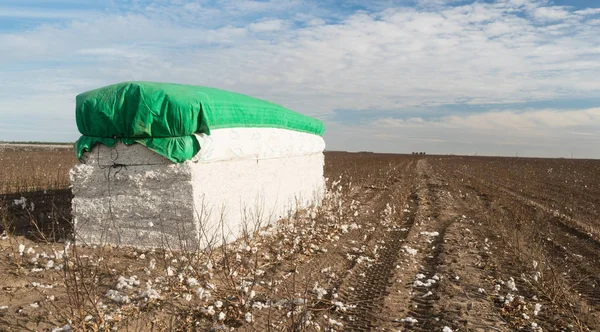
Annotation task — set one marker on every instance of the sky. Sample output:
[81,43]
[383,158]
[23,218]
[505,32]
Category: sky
[494,77]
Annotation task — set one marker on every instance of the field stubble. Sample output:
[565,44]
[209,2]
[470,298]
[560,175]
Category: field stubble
[401,243]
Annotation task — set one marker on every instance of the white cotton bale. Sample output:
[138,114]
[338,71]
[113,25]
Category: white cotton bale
[135,154]
[242,184]
[256,143]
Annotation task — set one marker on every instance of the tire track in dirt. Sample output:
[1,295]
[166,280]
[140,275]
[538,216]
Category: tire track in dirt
[440,299]
[379,297]
[425,293]
[367,287]
[425,289]
[306,273]
[299,275]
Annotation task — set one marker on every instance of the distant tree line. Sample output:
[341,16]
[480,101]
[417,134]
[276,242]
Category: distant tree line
[418,153]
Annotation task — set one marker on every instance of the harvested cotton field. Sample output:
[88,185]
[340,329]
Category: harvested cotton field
[400,243]
[27,167]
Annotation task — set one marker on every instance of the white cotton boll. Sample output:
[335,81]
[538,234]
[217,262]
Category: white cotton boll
[65,328]
[222,316]
[202,293]
[511,285]
[410,251]
[152,264]
[319,291]
[67,246]
[339,305]
[192,282]
[248,317]
[427,283]
[149,294]
[49,264]
[117,296]
[409,320]
[21,249]
[335,322]
[344,229]
[537,309]
[210,311]
[446,329]
[30,251]
[170,271]
[127,283]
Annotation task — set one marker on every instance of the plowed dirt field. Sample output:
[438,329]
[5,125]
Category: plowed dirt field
[401,243]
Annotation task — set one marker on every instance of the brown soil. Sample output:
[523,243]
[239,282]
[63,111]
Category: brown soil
[403,242]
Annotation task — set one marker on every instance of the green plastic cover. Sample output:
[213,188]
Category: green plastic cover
[164,116]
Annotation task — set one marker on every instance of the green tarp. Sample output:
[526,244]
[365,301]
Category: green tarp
[164,116]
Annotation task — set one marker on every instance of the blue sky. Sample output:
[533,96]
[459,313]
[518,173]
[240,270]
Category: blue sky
[499,77]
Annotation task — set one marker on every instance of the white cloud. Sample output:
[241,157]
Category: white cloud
[588,11]
[315,22]
[401,57]
[551,13]
[104,52]
[435,3]
[26,12]
[266,26]
[543,120]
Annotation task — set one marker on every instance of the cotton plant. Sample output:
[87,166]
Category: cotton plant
[192,283]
